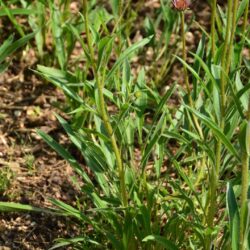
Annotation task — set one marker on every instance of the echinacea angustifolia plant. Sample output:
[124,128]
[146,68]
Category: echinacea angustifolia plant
[144,191]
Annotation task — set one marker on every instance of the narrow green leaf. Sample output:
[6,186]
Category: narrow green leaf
[245,97]
[63,80]
[71,211]
[68,242]
[6,44]
[126,54]
[9,48]
[154,137]
[159,152]
[216,72]
[234,218]
[205,68]
[17,207]
[160,108]
[241,9]
[115,6]
[97,160]
[216,131]
[196,76]
[12,18]
[196,65]
[18,11]
[239,102]
[104,49]
[66,155]
[57,31]
[162,241]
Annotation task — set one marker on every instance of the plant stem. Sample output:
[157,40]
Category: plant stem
[234,24]
[244,184]
[119,16]
[119,47]
[245,156]
[245,19]
[213,19]
[213,14]
[103,110]
[216,169]
[120,8]
[190,100]
[66,9]
[244,27]
[225,60]
[184,57]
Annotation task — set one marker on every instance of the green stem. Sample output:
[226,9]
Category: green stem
[224,60]
[214,181]
[119,47]
[66,9]
[103,110]
[119,17]
[202,166]
[244,185]
[184,57]
[245,19]
[213,19]
[190,100]
[120,8]
[245,156]
[213,14]
[214,184]
[231,42]
[244,28]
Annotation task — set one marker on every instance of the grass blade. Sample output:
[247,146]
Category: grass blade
[167,244]
[234,217]
[126,54]
[216,131]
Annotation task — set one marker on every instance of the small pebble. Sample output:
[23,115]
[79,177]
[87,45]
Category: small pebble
[17,113]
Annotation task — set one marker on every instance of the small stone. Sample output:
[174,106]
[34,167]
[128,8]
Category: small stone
[17,113]
[4,248]
[190,37]
[32,224]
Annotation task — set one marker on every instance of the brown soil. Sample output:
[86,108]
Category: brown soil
[31,172]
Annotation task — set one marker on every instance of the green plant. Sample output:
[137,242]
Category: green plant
[8,47]
[221,122]
[219,80]
[213,39]
[6,176]
[29,161]
[158,173]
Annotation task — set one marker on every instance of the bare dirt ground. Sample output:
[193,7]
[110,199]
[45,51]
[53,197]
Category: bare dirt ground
[30,171]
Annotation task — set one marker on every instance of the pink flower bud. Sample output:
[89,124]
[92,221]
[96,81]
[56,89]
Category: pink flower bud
[181,5]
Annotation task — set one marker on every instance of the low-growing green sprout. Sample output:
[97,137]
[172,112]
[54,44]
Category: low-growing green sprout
[6,175]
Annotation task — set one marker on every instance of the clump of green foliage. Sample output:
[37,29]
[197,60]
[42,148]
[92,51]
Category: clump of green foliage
[6,176]
[131,203]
